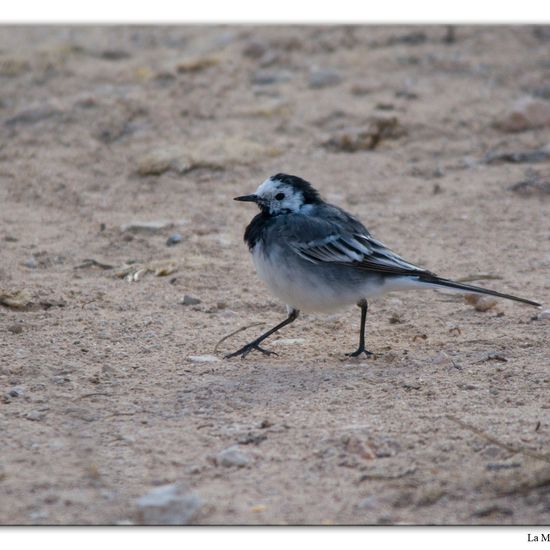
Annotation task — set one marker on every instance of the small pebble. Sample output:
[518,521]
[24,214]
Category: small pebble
[368,503]
[442,359]
[543,315]
[258,508]
[35,416]
[168,505]
[18,391]
[367,137]
[41,514]
[254,49]
[527,113]
[323,78]
[15,329]
[203,358]
[31,263]
[480,303]
[114,55]
[360,89]
[264,77]
[173,239]
[232,456]
[190,300]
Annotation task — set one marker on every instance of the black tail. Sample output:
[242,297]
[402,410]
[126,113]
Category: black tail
[477,290]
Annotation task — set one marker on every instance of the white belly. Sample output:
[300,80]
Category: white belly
[313,287]
[300,285]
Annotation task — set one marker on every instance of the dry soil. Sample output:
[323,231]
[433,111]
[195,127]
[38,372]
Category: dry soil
[112,387]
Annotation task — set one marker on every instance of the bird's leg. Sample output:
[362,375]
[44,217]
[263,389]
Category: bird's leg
[255,344]
[361,349]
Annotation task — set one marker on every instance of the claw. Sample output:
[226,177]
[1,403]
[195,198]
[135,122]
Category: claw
[359,351]
[245,350]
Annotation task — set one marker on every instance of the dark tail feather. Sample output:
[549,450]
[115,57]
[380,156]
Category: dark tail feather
[477,290]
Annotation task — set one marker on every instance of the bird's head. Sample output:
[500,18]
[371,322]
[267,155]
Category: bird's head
[283,194]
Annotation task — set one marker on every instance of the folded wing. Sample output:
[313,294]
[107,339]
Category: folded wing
[340,239]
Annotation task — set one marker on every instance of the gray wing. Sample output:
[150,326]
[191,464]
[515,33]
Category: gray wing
[333,236]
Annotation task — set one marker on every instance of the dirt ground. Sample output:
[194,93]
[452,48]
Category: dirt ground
[114,139]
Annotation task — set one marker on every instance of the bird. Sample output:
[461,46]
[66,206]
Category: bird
[316,257]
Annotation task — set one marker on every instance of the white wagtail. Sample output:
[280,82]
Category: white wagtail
[316,257]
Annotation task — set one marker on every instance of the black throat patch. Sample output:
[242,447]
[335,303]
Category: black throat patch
[255,231]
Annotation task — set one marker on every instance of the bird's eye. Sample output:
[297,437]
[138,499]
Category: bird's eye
[279,196]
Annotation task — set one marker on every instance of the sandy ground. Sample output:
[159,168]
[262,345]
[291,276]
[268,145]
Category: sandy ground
[103,397]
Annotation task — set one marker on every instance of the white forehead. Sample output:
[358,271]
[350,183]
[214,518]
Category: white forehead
[268,187]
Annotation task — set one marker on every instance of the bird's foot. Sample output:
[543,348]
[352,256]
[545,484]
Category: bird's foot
[245,350]
[359,351]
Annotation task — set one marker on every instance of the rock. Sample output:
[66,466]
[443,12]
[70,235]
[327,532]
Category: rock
[323,78]
[31,263]
[351,140]
[527,113]
[174,239]
[270,108]
[368,503]
[361,88]
[215,153]
[271,57]
[254,49]
[168,505]
[162,160]
[232,456]
[17,299]
[35,415]
[543,315]
[39,515]
[151,227]
[258,508]
[16,391]
[395,319]
[81,413]
[196,64]
[203,358]
[15,329]
[189,300]
[442,358]
[353,445]
[114,55]
[194,469]
[480,303]
[264,77]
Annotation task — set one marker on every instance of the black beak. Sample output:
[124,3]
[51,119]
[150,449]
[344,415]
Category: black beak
[247,198]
